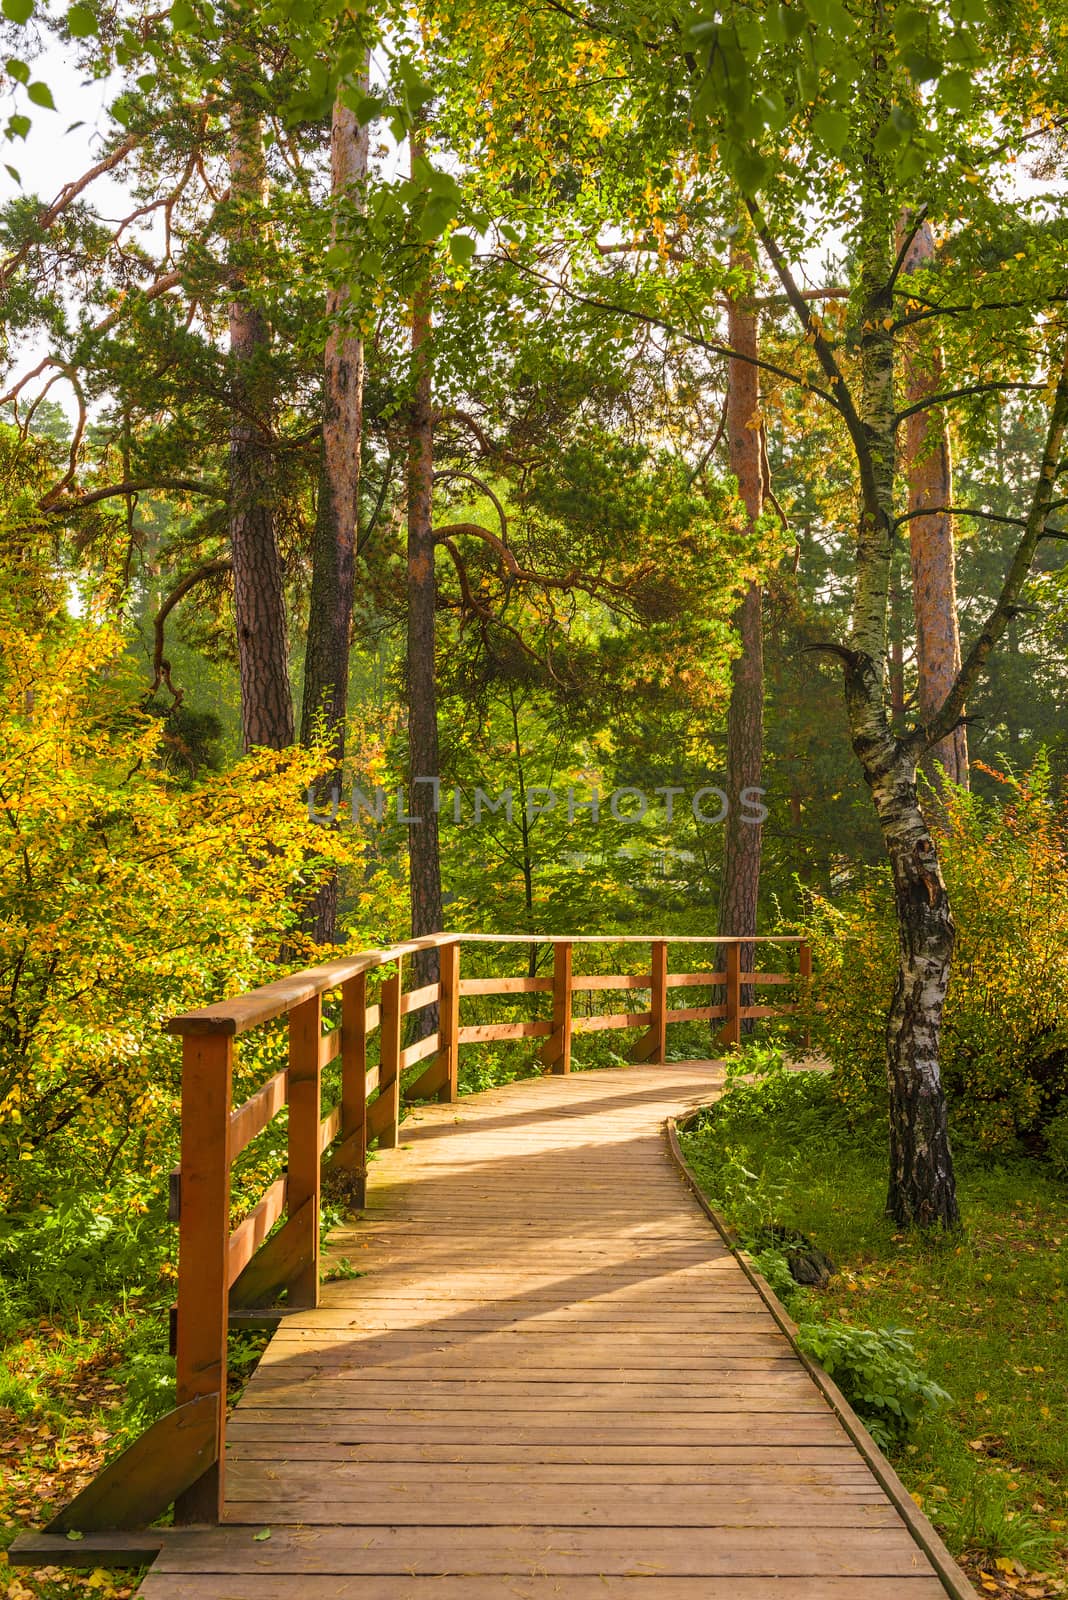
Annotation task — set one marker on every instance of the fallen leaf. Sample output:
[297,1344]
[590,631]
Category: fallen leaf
[264,1533]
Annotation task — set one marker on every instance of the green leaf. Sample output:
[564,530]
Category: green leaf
[182,15]
[18,70]
[436,216]
[921,65]
[831,128]
[147,81]
[80,22]
[955,90]
[41,95]
[14,173]
[18,126]
[461,248]
[17,10]
[264,1533]
[750,169]
[74,1534]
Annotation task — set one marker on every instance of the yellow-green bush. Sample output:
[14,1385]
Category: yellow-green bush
[1005,1031]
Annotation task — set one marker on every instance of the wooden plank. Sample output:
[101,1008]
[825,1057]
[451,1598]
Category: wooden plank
[475,986]
[203,1254]
[504,1030]
[614,1551]
[247,1120]
[382,1121]
[249,1234]
[329,1047]
[285,994]
[373,1018]
[695,980]
[636,1019]
[430,1082]
[414,1053]
[304,1167]
[259,1585]
[637,980]
[275,1264]
[768,977]
[114,1548]
[767,1011]
[417,999]
[696,1013]
[329,1128]
[568,1508]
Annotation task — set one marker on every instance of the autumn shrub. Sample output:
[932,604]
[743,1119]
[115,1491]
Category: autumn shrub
[124,897]
[1005,1031]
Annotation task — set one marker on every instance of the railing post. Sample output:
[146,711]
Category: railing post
[732,1032]
[204,1250]
[804,962]
[559,1054]
[658,1001]
[449,1019]
[305,1109]
[351,1156]
[389,1061]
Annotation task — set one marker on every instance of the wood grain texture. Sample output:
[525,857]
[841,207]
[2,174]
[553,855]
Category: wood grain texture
[552,1380]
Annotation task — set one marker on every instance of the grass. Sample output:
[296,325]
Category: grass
[988,1311]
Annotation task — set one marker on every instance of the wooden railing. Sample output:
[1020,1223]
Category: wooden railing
[228,1273]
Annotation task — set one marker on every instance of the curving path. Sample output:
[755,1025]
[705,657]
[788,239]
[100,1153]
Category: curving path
[550,1379]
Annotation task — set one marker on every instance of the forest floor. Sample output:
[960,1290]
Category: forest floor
[988,1310]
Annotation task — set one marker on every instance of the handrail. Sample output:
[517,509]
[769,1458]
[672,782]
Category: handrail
[274,999]
[233,1273]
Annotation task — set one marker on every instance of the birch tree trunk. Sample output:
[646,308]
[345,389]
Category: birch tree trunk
[259,597]
[423,762]
[740,880]
[326,660]
[922,1187]
[929,464]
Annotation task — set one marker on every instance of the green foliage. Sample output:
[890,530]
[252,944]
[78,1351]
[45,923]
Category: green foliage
[877,1371]
[1005,1031]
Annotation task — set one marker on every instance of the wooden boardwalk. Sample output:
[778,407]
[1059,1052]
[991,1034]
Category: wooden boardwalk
[551,1379]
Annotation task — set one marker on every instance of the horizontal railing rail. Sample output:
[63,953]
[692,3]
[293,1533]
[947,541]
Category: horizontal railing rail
[230,1272]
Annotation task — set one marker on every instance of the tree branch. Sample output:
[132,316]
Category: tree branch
[160,665]
[960,394]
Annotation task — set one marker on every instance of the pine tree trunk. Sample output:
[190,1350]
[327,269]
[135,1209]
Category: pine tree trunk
[740,880]
[423,763]
[929,463]
[259,598]
[326,660]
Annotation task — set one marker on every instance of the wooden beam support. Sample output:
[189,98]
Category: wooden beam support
[449,1020]
[556,1052]
[305,1095]
[385,1112]
[204,1256]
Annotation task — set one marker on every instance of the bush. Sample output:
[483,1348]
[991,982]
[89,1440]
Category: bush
[1005,1031]
[876,1370]
[123,896]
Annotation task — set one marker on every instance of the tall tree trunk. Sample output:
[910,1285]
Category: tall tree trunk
[259,598]
[740,880]
[326,659]
[423,763]
[929,463]
[922,1188]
